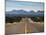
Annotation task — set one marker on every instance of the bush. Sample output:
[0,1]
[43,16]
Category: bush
[12,19]
[37,19]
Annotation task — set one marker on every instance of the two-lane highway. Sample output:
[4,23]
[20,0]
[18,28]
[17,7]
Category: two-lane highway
[24,27]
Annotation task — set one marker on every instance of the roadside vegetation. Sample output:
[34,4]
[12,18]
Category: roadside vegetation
[18,19]
[38,19]
[12,19]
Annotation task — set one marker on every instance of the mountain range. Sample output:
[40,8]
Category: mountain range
[23,13]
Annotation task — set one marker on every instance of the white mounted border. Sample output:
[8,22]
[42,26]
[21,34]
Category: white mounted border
[2,17]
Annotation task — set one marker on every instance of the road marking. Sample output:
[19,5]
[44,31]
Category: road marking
[26,28]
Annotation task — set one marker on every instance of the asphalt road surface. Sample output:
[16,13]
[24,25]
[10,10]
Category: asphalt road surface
[24,27]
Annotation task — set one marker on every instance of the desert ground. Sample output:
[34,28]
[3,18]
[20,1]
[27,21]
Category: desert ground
[24,26]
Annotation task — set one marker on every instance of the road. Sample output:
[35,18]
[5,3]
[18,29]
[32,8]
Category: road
[24,27]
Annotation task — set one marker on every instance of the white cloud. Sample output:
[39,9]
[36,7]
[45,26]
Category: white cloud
[23,8]
[27,8]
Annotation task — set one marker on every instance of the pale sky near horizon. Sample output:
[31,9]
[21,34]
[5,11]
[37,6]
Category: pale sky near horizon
[14,5]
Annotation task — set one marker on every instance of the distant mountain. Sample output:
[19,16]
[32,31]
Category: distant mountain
[24,13]
[40,11]
[32,11]
[19,12]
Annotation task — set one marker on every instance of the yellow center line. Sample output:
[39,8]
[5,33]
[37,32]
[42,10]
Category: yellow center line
[26,28]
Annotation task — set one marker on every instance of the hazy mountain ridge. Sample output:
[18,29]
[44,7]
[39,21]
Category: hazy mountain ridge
[24,13]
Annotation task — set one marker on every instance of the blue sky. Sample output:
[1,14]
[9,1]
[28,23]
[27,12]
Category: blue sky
[14,5]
